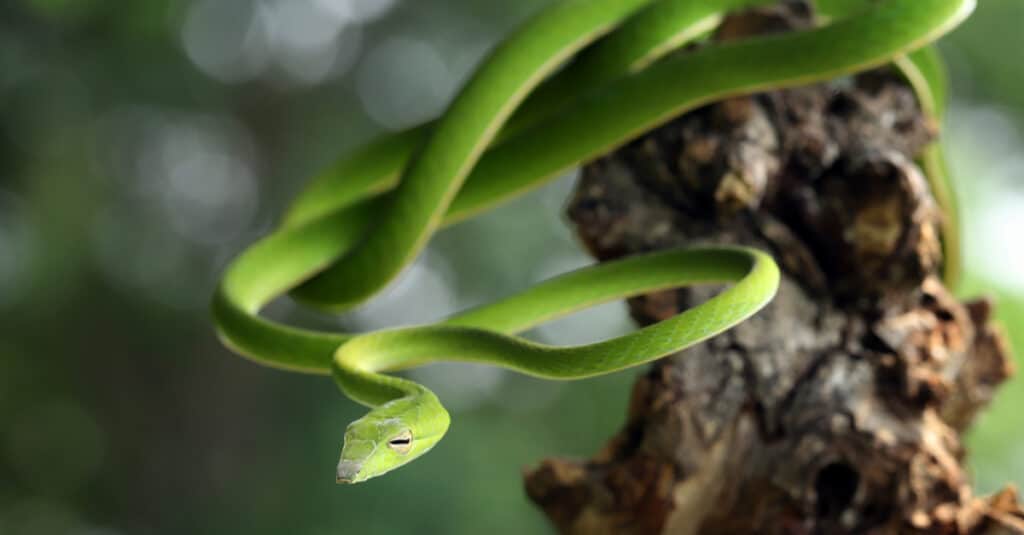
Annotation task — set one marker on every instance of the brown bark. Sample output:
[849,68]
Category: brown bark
[837,409]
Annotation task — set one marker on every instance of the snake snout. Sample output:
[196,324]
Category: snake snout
[347,471]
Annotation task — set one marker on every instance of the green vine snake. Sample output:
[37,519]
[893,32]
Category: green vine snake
[577,80]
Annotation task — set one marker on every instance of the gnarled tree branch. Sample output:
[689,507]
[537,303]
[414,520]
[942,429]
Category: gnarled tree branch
[837,409]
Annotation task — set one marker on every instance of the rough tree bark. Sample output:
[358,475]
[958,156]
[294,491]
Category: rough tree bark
[839,408]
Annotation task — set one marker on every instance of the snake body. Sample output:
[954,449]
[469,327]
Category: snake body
[522,119]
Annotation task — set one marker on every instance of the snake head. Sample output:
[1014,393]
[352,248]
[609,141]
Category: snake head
[391,436]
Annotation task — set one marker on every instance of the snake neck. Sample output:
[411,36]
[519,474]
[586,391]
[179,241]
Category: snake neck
[406,421]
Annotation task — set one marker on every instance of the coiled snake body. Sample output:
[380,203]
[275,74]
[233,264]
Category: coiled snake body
[518,122]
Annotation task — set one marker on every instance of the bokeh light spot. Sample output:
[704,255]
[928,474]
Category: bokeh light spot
[307,41]
[357,10]
[984,145]
[404,82]
[209,192]
[222,37]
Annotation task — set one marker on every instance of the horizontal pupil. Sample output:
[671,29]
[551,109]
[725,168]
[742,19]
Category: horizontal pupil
[400,441]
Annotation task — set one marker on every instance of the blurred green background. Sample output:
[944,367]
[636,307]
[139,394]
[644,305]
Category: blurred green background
[143,144]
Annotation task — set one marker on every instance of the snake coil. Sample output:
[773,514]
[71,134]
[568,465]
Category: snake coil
[519,121]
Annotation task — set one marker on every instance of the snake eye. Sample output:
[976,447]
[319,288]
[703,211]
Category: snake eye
[401,443]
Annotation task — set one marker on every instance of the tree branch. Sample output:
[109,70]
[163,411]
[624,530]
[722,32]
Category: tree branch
[839,407]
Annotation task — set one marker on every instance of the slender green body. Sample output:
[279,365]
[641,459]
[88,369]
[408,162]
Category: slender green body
[514,126]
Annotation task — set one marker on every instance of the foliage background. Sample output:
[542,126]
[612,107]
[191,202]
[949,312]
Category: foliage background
[142,144]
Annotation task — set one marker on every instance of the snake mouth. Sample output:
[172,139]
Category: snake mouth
[348,471]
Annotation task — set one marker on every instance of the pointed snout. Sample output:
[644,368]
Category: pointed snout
[347,471]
